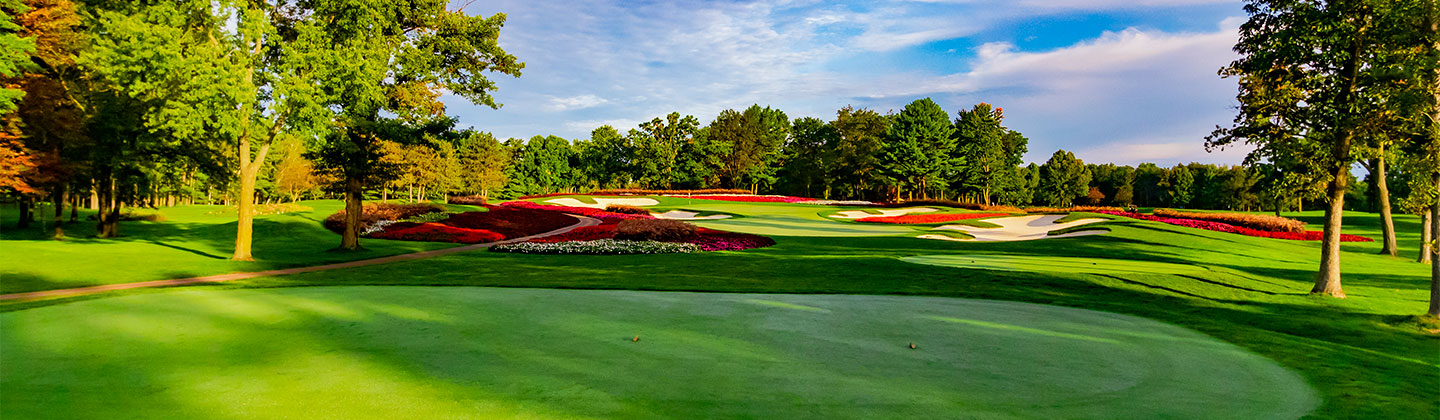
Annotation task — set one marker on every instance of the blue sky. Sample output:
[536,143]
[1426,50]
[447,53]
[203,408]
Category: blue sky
[1121,81]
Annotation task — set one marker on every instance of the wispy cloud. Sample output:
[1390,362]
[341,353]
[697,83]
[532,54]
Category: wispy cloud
[619,63]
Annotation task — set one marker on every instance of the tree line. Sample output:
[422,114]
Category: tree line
[134,103]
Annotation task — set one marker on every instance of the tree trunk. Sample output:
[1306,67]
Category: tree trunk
[1387,221]
[1434,229]
[24,221]
[74,208]
[245,207]
[350,235]
[1424,238]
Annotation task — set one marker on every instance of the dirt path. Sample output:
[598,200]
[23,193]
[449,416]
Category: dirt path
[80,291]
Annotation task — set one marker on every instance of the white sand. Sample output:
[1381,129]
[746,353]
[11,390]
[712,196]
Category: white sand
[861,214]
[687,215]
[601,203]
[1019,228]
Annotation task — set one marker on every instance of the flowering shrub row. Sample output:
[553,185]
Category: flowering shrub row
[598,247]
[706,239]
[586,233]
[719,240]
[1088,209]
[511,222]
[621,208]
[634,191]
[374,212]
[1313,235]
[1263,222]
[755,198]
[928,218]
[604,216]
[436,232]
[468,200]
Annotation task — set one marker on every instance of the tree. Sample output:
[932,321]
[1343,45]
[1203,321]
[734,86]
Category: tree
[1181,184]
[15,52]
[854,162]
[1305,67]
[608,158]
[659,142]
[980,143]
[482,163]
[369,56]
[294,174]
[805,157]
[918,147]
[1063,178]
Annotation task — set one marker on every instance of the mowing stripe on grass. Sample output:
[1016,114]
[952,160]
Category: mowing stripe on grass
[1055,264]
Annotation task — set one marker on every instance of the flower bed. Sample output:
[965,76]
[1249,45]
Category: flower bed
[598,247]
[719,240]
[928,218]
[468,200]
[436,232]
[511,222]
[1313,235]
[587,233]
[1263,222]
[754,198]
[604,216]
[706,239]
[374,212]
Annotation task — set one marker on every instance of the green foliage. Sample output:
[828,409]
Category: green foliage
[1063,179]
[659,143]
[15,53]
[918,147]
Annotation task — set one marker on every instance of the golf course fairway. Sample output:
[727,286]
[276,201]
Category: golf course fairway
[463,352]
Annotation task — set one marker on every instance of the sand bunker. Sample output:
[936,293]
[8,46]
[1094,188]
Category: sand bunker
[861,214]
[1019,228]
[687,215]
[601,203]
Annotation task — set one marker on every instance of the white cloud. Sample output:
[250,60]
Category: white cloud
[618,63]
[575,102]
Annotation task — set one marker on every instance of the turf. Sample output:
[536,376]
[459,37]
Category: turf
[1366,356]
[411,352]
[191,241]
[1053,264]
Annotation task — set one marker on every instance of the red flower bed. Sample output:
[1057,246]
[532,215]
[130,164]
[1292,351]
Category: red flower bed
[511,222]
[753,198]
[707,239]
[1312,235]
[587,233]
[436,232]
[927,218]
[719,240]
[607,217]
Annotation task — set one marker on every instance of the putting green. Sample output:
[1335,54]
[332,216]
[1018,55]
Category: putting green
[451,352]
[1056,264]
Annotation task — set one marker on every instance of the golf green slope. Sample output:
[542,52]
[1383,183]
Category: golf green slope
[459,352]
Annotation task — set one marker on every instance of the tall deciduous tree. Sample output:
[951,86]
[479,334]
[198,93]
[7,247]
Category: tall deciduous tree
[659,143]
[1305,70]
[980,143]
[919,147]
[369,56]
[482,162]
[1063,179]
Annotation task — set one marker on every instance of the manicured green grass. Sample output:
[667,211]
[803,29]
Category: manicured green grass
[1053,263]
[191,241]
[414,352]
[1366,356]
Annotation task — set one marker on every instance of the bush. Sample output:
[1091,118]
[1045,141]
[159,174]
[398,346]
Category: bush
[621,208]
[636,191]
[428,217]
[1263,222]
[375,212]
[598,247]
[468,200]
[512,222]
[654,230]
[1087,209]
